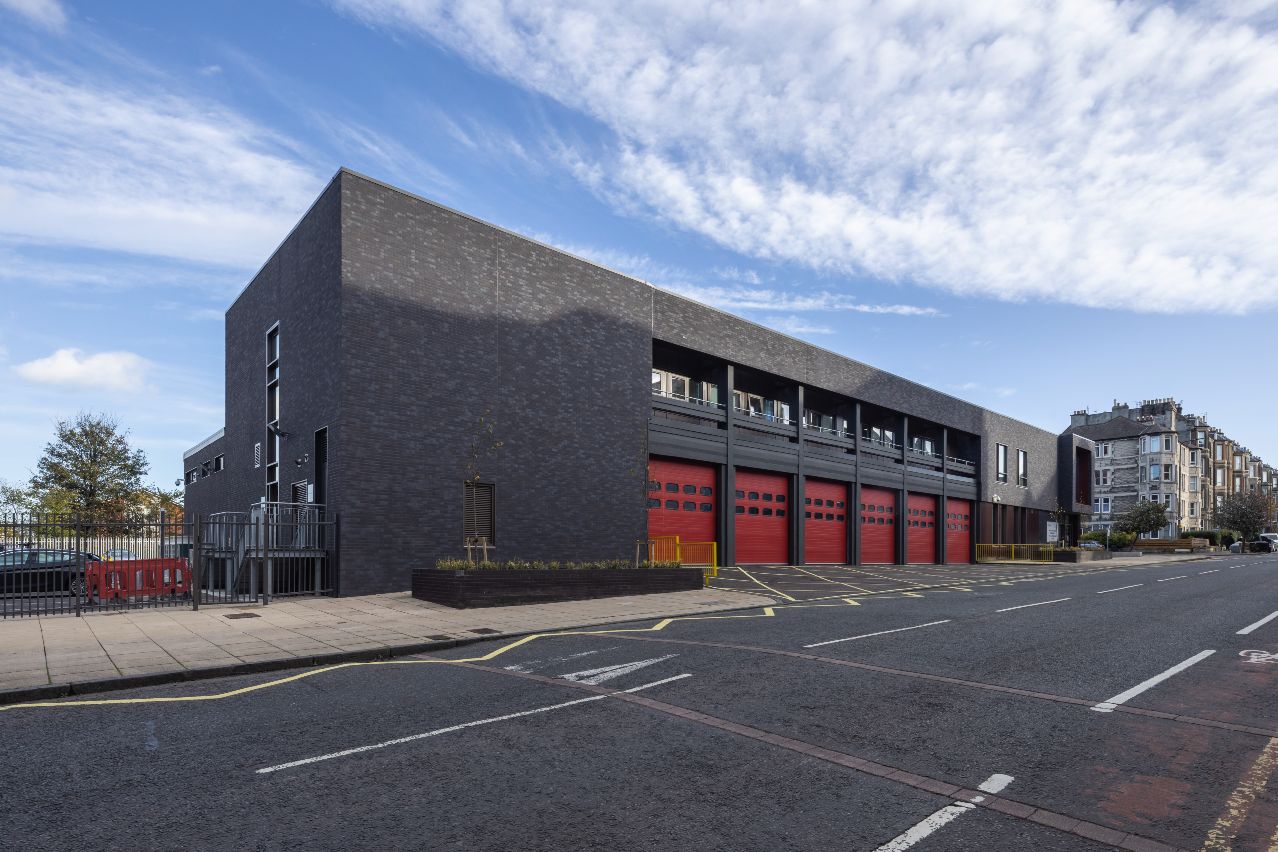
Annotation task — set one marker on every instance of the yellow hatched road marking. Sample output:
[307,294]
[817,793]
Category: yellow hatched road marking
[765,585]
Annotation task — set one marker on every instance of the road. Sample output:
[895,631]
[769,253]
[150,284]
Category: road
[1083,711]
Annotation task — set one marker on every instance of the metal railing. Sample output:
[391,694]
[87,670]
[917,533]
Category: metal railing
[1016,553]
[957,462]
[680,397]
[68,564]
[669,548]
[766,418]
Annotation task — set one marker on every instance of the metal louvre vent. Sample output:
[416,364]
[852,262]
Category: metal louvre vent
[477,510]
[257,454]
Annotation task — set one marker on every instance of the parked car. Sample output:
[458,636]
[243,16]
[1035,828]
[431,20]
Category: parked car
[1260,545]
[44,571]
[1088,544]
[112,555]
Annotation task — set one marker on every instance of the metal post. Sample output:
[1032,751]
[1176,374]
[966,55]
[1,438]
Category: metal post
[269,534]
[79,564]
[194,568]
[333,555]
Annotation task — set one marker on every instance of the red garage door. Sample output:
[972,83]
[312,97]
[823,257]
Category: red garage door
[878,526]
[763,523]
[681,499]
[958,530]
[825,524]
[921,530]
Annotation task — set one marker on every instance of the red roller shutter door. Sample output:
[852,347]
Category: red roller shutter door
[762,514]
[682,498]
[920,531]
[878,526]
[958,531]
[825,526]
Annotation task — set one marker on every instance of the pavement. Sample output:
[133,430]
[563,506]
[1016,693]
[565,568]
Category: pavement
[61,655]
[1129,708]
[65,655]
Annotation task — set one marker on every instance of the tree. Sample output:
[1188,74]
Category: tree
[89,467]
[1247,513]
[153,500]
[1144,517]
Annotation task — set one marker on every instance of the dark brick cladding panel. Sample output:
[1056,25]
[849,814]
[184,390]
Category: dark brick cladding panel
[404,323]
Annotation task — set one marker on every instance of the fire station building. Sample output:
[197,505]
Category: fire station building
[428,377]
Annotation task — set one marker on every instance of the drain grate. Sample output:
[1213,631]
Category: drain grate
[243,615]
[484,630]
[440,638]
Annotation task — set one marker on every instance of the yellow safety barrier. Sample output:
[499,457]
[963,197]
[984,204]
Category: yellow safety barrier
[668,548]
[1015,552]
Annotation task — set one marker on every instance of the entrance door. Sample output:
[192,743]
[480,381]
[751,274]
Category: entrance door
[762,515]
[921,532]
[825,525]
[682,499]
[958,531]
[878,526]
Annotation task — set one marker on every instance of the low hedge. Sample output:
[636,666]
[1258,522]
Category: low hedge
[539,565]
[1212,536]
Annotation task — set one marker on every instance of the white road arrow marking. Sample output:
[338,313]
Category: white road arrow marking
[606,673]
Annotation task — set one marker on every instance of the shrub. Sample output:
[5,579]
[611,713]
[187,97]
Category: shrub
[1095,535]
[1212,536]
[1121,540]
[539,565]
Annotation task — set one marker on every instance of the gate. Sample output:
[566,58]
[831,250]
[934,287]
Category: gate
[273,550]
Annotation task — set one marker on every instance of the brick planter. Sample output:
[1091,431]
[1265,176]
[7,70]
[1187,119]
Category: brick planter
[497,587]
[1080,555]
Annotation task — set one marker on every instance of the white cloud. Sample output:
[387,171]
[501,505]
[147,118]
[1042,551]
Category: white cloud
[796,325]
[763,299]
[1096,153]
[44,13]
[117,371]
[91,163]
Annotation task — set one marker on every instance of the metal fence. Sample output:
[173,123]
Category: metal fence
[66,564]
[1016,552]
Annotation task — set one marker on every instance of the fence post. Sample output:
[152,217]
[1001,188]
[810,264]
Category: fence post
[333,555]
[194,568]
[264,551]
[79,564]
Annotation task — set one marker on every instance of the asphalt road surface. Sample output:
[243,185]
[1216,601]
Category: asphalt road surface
[1067,710]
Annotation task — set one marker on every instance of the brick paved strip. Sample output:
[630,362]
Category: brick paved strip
[954,681]
[1017,810]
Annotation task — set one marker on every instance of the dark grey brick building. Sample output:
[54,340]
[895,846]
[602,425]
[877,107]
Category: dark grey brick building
[392,349]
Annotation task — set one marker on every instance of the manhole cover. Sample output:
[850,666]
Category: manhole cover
[243,615]
[484,630]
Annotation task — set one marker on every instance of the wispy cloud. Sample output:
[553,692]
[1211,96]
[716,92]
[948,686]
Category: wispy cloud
[88,162]
[48,14]
[796,325]
[118,371]
[763,299]
[1102,154]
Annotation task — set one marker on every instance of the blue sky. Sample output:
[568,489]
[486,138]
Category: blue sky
[1034,209]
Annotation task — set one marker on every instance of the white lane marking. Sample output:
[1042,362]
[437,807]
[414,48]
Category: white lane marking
[1169,579]
[533,665]
[1024,606]
[606,673]
[945,815]
[1261,623]
[450,729]
[880,633]
[1123,697]
[1120,588]
[1212,571]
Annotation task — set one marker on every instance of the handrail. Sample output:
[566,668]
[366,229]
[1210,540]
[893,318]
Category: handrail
[686,398]
[767,418]
[880,442]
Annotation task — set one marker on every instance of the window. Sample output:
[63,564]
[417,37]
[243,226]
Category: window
[1167,473]
[1105,504]
[218,463]
[672,486]
[707,507]
[654,503]
[478,509]
[1193,457]
[1193,483]
[1002,463]
[1201,438]
[1022,468]
[1102,476]
[1104,450]
[192,475]
[707,491]
[1237,462]
[1155,472]
[690,505]
[1167,443]
[1220,452]
[689,489]
[1193,510]
[1220,477]
[672,504]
